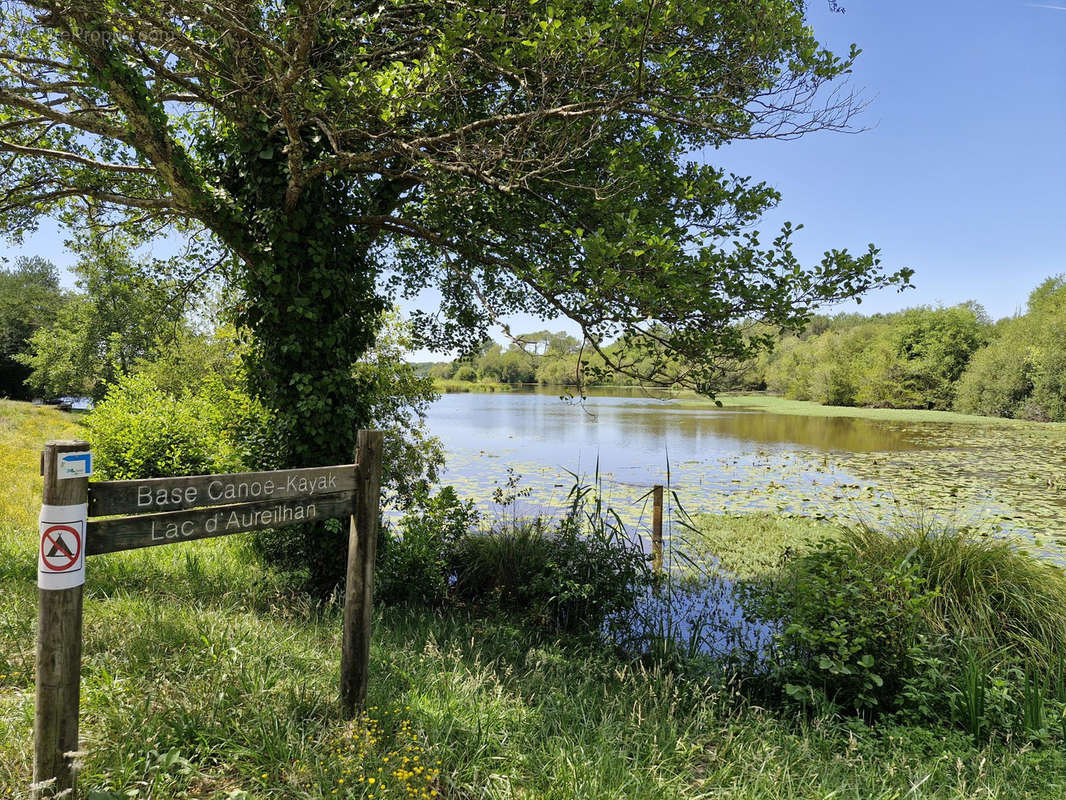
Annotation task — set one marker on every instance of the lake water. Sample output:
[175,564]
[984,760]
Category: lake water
[746,459]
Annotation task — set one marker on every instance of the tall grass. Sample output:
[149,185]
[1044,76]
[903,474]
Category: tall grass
[576,574]
[23,431]
[205,677]
[1009,605]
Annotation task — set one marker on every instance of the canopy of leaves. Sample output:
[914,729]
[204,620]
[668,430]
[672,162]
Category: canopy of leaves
[911,359]
[543,156]
[121,315]
[1022,373]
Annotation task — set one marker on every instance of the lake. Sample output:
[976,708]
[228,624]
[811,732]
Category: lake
[745,457]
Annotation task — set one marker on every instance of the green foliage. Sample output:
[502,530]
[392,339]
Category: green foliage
[911,359]
[573,577]
[513,365]
[971,705]
[413,563]
[848,629]
[30,299]
[996,383]
[1022,372]
[935,346]
[194,355]
[122,315]
[1009,605]
[562,370]
[399,399]
[143,431]
[931,625]
[569,576]
[558,359]
[394,400]
[465,373]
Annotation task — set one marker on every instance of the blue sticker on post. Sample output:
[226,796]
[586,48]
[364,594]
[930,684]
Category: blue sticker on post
[74,465]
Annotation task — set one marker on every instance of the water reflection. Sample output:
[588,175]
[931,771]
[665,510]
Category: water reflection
[744,459]
[538,426]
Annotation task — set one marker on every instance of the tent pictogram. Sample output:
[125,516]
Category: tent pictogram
[60,548]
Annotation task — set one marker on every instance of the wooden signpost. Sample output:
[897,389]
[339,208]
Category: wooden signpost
[158,511]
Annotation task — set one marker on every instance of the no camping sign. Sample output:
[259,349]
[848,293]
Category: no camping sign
[61,555]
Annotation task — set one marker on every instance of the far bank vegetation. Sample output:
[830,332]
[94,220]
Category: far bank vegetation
[942,358]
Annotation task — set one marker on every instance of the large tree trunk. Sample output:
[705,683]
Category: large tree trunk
[310,303]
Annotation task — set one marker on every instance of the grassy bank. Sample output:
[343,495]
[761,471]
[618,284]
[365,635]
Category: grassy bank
[449,385]
[204,676]
[780,405]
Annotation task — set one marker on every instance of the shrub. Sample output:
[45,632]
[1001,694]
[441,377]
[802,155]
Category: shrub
[573,577]
[142,431]
[849,629]
[929,623]
[1009,605]
[465,373]
[413,565]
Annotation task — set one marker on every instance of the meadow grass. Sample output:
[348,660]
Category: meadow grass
[205,676]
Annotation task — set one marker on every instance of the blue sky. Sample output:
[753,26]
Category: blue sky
[961,173]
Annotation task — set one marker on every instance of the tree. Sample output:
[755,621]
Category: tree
[519,156]
[1022,372]
[911,359]
[122,315]
[936,345]
[30,298]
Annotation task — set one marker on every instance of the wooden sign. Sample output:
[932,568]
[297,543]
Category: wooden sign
[168,511]
[107,498]
[148,530]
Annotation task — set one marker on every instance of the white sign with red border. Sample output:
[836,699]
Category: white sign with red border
[61,555]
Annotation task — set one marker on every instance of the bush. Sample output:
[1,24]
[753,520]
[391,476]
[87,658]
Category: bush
[848,629]
[142,431]
[931,624]
[573,577]
[465,373]
[413,567]
[1009,605]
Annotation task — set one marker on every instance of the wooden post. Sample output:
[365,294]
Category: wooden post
[359,585]
[59,631]
[657,529]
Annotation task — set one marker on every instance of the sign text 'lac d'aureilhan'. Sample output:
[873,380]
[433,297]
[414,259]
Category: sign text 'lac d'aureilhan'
[201,506]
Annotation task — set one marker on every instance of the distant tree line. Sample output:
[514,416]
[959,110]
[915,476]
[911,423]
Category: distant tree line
[953,358]
[57,342]
[934,358]
[910,359]
[559,359]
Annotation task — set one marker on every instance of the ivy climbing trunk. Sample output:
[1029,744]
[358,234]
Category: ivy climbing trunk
[310,303]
